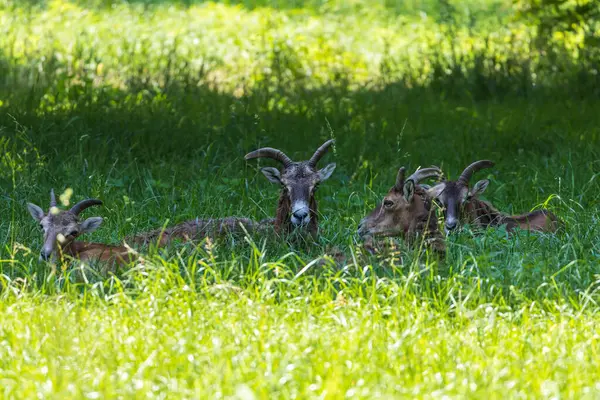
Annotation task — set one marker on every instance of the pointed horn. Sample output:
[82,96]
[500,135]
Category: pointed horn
[419,175]
[400,178]
[320,153]
[466,175]
[269,152]
[83,204]
[52,198]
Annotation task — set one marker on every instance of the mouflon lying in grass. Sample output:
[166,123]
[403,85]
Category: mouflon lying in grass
[296,209]
[406,211]
[297,206]
[462,205]
[198,229]
[62,227]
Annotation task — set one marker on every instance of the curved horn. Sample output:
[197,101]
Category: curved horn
[52,198]
[269,152]
[320,153]
[83,204]
[419,175]
[466,175]
[400,178]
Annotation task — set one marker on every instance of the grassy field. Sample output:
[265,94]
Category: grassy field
[151,106]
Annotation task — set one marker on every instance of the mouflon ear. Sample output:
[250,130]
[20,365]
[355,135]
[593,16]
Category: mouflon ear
[36,212]
[326,172]
[479,187]
[272,174]
[91,224]
[408,190]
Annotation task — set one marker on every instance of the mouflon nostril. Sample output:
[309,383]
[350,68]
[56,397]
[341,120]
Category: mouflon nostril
[451,225]
[300,214]
[44,256]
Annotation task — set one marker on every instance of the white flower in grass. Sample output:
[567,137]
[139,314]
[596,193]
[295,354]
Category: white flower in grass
[243,392]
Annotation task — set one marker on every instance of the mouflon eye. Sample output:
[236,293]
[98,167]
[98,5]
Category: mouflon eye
[388,203]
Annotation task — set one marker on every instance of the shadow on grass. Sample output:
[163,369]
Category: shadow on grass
[183,117]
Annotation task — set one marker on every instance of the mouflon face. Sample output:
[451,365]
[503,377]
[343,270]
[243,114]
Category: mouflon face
[454,196]
[61,227]
[298,181]
[403,209]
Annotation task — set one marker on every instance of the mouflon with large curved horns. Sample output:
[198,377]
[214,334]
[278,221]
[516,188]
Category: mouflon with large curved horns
[299,180]
[462,205]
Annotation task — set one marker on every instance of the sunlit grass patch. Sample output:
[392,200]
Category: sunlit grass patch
[73,49]
[211,343]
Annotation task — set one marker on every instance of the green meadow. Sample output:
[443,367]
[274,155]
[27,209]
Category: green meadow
[151,106]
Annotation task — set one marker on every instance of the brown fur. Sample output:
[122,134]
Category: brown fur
[282,214]
[406,218]
[198,229]
[482,214]
[110,256]
[313,225]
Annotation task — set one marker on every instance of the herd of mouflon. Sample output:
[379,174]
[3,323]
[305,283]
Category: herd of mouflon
[407,211]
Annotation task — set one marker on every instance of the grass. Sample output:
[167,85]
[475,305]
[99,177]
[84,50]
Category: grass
[151,107]
[222,343]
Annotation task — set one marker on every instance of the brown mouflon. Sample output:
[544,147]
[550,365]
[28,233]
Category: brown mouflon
[297,206]
[462,205]
[61,228]
[406,211]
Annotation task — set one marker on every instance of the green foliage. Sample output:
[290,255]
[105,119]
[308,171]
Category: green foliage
[552,16]
[150,106]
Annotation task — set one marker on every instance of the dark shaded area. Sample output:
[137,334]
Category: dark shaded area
[185,115]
